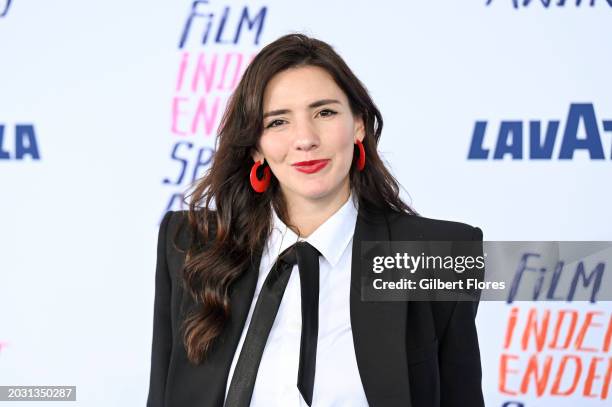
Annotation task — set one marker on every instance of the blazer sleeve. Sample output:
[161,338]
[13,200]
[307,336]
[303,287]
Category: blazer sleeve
[162,329]
[459,353]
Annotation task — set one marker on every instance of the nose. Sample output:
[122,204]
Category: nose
[306,136]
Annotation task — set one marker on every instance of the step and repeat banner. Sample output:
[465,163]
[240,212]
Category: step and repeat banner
[497,113]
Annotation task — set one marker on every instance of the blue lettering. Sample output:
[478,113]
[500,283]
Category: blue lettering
[607,125]
[25,142]
[510,140]
[218,39]
[182,161]
[561,3]
[172,204]
[258,19]
[477,151]
[179,153]
[547,3]
[538,149]
[193,14]
[550,295]
[4,155]
[593,279]
[596,275]
[253,24]
[543,137]
[202,162]
[5,9]
[592,141]
[516,281]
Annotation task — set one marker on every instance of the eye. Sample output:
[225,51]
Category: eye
[327,112]
[275,123]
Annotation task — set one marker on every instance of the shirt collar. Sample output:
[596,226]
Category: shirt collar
[330,238]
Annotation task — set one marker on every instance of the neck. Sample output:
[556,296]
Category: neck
[307,215]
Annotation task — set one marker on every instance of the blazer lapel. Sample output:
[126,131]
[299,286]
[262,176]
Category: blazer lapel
[206,383]
[379,328]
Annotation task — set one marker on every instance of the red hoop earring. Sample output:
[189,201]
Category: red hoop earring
[361,158]
[259,185]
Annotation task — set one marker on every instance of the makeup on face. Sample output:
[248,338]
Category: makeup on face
[310,167]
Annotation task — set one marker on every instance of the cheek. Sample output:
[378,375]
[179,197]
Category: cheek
[273,147]
[343,141]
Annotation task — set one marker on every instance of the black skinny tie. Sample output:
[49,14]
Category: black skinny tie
[266,308]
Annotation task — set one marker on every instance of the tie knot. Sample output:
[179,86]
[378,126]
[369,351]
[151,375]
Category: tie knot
[302,248]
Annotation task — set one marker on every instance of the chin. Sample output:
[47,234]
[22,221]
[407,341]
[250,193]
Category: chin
[314,194]
[317,192]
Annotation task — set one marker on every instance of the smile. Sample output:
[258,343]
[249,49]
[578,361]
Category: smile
[310,167]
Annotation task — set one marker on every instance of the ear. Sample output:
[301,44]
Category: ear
[256,155]
[359,128]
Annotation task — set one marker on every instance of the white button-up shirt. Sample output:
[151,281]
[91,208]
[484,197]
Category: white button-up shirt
[337,382]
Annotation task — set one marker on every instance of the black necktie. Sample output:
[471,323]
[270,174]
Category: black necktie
[266,308]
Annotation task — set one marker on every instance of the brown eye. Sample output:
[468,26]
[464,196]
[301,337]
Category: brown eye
[327,112]
[275,123]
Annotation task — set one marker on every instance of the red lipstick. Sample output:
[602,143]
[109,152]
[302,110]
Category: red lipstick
[310,167]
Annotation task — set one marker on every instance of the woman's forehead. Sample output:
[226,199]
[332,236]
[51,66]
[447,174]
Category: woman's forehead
[301,87]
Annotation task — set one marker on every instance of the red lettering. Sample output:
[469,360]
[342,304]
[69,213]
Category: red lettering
[577,371]
[541,380]
[608,336]
[539,332]
[503,370]
[605,390]
[591,377]
[570,331]
[511,325]
[588,322]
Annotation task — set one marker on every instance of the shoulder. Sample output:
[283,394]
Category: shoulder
[177,231]
[432,229]
[174,222]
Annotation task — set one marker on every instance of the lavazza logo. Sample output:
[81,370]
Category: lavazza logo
[581,132]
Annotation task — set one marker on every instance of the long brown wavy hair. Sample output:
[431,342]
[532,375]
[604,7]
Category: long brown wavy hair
[224,240]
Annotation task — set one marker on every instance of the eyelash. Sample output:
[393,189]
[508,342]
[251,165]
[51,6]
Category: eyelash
[330,111]
[270,125]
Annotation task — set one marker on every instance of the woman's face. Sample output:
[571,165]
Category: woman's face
[307,118]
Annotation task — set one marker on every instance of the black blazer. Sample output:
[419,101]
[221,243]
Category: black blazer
[420,354]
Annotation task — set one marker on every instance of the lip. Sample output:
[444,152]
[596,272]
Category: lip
[310,167]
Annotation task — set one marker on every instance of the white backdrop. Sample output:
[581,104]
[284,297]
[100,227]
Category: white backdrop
[109,97]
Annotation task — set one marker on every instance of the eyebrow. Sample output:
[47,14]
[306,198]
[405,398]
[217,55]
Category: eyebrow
[310,106]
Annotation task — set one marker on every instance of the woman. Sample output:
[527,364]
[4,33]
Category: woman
[297,161]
